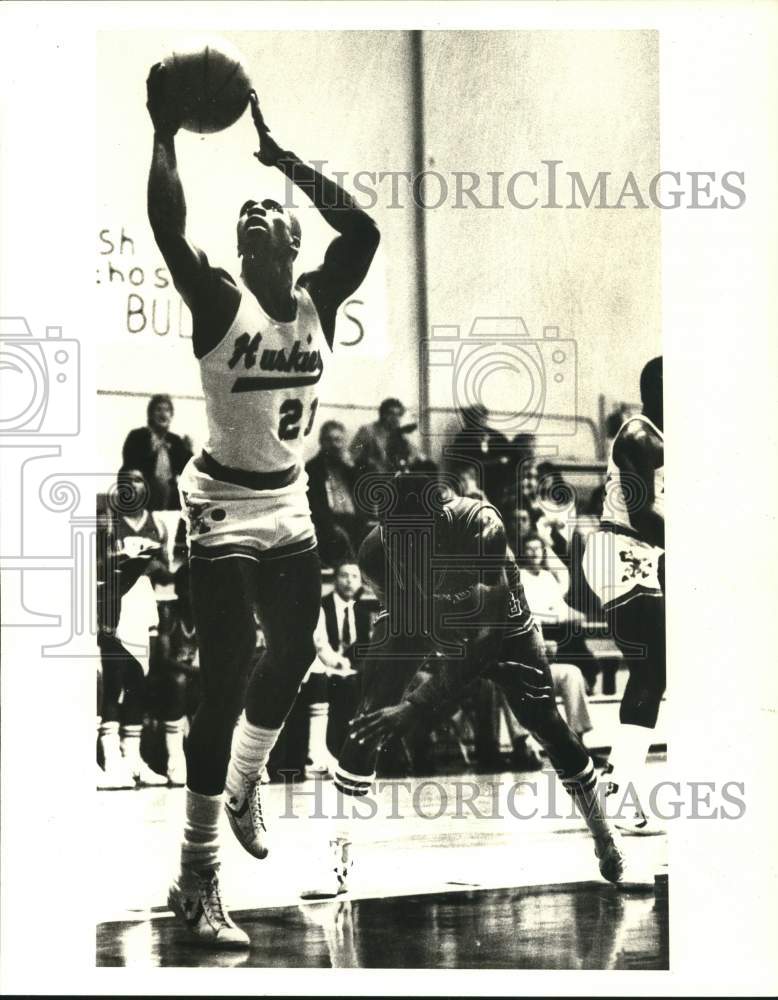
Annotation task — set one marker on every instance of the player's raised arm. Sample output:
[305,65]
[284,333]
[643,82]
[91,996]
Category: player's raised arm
[638,454]
[165,195]
[350,254]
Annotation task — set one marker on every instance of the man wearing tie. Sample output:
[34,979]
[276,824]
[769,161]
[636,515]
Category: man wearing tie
[344,622]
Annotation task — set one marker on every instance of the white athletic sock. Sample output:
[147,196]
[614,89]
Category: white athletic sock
[200,846]
[251,746]
[628,756]
[340,800]
[109,742]
[131,747]
[318,714]
[583,789]
[174,738]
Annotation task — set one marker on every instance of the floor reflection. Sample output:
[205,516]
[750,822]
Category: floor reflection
[581,926]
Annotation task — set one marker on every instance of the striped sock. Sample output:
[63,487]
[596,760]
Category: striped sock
[347,786]
[251,746]
[174,738]
[200,846]
[318,714]
[583,789]
[109,742]
[131,746]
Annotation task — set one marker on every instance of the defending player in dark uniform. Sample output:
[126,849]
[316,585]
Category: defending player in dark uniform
[624,566]
[260,342]
[448,581]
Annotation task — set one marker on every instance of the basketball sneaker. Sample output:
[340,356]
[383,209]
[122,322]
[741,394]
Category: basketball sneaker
[614,869]
[116,776]
[336,869]
[638,825]
[246,820]
[176,771]
[196,900]
[146,778]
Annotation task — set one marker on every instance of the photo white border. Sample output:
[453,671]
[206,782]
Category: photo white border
[717,112]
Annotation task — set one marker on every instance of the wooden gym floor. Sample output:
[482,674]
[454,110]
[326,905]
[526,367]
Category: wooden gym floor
[433,885]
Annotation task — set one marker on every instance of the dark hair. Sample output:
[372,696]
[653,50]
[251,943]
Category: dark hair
[122,499]
[531,536]
[389,404]
[651,380]
[329,425]
[160,397]
[346,560]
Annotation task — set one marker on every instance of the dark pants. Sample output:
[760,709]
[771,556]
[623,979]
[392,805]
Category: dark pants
[122,685]
[286,593]
[639,630]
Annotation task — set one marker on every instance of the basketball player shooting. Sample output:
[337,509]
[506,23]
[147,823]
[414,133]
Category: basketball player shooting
[624,566]
[260,341]
[473,590]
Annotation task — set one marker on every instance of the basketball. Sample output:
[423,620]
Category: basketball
[208,85]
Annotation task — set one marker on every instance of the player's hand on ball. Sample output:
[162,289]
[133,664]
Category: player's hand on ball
[269,150]
[161,110]
[385,722]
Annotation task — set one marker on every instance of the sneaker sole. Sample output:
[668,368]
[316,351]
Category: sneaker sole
[639,831]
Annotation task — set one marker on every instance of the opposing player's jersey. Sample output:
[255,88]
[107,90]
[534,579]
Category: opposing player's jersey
[459,546]
[260,384]
[615,510]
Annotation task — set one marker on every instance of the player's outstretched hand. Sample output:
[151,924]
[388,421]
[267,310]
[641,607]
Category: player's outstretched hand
[269,150]
[161,111]
[385,722]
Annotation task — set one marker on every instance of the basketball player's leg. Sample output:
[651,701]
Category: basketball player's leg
[113,659]
[639,630]
[131,717]
[223,597]
[173,706]
[288,597]
[222,591]
[525,677]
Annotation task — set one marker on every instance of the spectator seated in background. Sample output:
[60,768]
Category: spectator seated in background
[340,527]
[384,446]
[158,453]
[345,621]
[132,556]
[545,588]
[545,591]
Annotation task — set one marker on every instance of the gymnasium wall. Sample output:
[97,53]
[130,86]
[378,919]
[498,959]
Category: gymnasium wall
[505,102]
[491,103]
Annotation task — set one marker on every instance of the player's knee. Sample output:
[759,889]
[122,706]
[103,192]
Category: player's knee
[542,719]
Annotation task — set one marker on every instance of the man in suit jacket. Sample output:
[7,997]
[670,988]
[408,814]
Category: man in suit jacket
[158,453]
[345,622]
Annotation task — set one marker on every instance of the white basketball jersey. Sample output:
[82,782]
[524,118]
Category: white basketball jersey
[615,505]
[260,384]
